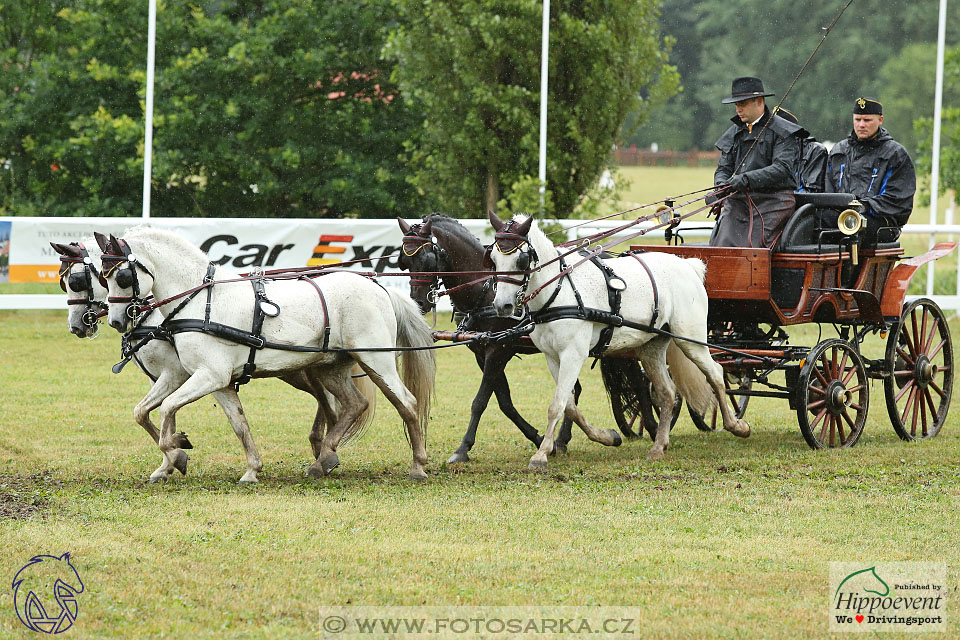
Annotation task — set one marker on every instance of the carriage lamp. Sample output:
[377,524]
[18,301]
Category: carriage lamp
[850,221]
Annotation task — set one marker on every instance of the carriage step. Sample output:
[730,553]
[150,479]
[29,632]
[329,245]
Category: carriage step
[878,369]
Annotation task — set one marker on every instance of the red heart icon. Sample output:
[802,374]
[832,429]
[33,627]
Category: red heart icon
[859,618]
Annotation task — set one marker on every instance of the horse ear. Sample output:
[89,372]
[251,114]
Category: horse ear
[115,243]
[59,248]
[102,240]
[404,226]
[426,229]
[524,227]
[496,222]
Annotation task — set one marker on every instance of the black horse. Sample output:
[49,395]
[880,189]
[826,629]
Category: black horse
[441,244]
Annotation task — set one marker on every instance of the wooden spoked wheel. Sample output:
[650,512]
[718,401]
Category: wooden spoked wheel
[640,410]
[920,360]
[833,395]
[742,380]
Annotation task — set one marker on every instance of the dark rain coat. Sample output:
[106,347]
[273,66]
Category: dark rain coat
[772,165]
[878,171]
[813,166]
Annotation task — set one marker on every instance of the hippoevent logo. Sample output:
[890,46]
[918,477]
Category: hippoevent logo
[45,593]
[891,596]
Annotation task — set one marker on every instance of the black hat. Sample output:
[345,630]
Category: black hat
[746,88]
[868,106]
[786,115]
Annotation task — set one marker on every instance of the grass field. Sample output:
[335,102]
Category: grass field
[725,538]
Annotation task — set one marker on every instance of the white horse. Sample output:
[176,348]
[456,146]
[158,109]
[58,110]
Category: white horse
[680,304]
[344,317]
[158,360]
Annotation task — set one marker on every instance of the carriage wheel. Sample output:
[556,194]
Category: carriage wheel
[833,395]
[742,381]
[640,411]
[650,410]
[920,359]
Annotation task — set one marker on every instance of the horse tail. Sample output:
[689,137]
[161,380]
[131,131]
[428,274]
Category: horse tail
[690,381]
[368,390]
[419,366]
[624,382]
[698,267]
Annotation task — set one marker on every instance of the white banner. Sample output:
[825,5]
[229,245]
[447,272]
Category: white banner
[238,243]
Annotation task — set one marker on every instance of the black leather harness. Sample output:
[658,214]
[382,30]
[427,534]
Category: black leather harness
[612,319]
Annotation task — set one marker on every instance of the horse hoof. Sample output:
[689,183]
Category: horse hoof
[458,457]
[248,478]
[418,475]
[180,462]
[615,439]
[560,449]
[537,464]
[655,454]
[156,477]
[182,442]
[330,463]
[741,429]
[314,471]
[630,435]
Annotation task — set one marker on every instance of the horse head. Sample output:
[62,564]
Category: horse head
[46,580]
[79,275]
[419,254]
[510,254]
[128,281]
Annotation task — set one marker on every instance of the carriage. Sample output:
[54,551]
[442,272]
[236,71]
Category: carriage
[826,270]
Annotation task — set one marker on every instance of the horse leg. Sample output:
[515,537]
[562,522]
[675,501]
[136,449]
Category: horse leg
[565,370]
[230,403]
[166,383]
[382,370]
[488,362]
[700,356]
[563,438]
[653,355]
[201,383]
[352,403]
[325,415]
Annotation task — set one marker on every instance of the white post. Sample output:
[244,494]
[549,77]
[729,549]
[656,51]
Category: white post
[148,123]
[937,107]
[544,68]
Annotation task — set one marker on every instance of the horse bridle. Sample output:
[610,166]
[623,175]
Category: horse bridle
[433,259]
[507,243]
[125,278]
[81,281]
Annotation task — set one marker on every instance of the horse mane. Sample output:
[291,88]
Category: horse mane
[146,232]
[455,228]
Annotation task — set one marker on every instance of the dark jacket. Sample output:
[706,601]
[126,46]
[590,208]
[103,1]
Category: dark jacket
[878,171]
[773,163]
[813,166]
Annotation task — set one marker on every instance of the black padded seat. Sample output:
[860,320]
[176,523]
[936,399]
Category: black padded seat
[837,201]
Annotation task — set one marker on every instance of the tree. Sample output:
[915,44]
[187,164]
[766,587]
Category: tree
[772,39]
[949,132]
[473,68]
[263,108]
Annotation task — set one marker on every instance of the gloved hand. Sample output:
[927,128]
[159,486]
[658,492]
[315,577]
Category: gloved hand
[710,199]
[738,182]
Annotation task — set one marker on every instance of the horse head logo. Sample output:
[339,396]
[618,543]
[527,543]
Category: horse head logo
[866,580]
[45,593]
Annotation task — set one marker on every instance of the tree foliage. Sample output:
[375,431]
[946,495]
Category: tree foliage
[473,68]
[949,131]
[262,108]
[880,51]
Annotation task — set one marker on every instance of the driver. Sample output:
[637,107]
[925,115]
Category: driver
[759,161]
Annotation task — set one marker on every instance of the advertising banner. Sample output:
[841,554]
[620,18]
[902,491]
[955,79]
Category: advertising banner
[240,244]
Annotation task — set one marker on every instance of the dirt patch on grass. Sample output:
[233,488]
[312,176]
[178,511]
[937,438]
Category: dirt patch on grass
[23,497]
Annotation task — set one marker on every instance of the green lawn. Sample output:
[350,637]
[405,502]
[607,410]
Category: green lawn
[725,538]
